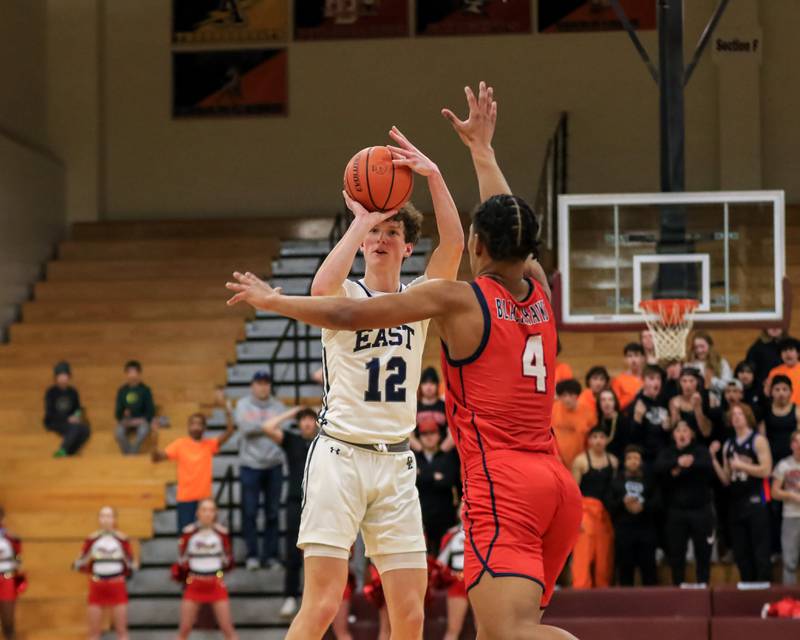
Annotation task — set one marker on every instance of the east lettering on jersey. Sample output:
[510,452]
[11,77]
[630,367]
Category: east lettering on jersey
[376,338]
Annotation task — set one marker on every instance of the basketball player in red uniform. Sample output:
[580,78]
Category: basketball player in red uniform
[523,508]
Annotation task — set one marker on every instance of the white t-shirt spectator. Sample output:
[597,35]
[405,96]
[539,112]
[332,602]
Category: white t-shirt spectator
[788,470]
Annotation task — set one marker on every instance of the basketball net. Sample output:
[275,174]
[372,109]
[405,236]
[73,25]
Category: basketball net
[670,321]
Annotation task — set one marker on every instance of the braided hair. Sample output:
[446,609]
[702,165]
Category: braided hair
[508,227]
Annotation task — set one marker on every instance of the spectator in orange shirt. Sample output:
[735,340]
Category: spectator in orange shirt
[193,455]
[571,422]
[626,385]
[596,380]
[790,368]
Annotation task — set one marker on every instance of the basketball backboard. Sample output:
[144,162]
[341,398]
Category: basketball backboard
[725,249]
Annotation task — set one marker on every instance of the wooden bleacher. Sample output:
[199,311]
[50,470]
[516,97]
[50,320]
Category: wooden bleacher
[151,291]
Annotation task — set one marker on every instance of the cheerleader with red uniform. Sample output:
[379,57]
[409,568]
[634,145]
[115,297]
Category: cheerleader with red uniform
[205,553]
[451,557]
[106,555]
[12,580]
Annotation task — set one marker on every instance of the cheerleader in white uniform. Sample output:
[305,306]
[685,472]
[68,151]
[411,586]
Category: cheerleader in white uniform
[205,554]
[107,557]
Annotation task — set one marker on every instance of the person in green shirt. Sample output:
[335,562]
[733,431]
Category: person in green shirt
[134,410]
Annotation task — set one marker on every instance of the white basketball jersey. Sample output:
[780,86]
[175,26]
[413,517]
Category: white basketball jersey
[371,378]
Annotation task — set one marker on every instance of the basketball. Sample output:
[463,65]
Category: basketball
[372,180]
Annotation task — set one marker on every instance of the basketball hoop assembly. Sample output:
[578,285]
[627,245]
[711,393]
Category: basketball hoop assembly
[670,321]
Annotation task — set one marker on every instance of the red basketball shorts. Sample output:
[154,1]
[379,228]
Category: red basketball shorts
[108,593]
[8,588]
[522,517]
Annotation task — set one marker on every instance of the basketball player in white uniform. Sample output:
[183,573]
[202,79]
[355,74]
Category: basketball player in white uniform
[360,473]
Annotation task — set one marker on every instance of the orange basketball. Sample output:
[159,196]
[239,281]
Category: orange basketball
[372,180]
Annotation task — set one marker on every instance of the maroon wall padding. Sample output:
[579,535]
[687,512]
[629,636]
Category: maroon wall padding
[362,609]
[729,601]
[652,628]
[753,629]
[630,602]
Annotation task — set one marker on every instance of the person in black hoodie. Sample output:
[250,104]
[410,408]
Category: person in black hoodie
[437,482]
[685,475]
[650,423]
[63,413]
[765,354]
[752,391]
[633,504]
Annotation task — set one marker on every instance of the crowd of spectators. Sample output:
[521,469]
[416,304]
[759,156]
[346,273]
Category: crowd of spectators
[678,452]
[675,460]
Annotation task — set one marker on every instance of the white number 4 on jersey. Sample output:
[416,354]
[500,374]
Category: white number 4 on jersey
[533,365]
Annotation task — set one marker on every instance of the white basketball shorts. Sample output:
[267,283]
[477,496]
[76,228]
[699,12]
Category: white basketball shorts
[347,488]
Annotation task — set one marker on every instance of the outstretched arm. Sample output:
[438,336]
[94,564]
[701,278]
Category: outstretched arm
[476,132]
[446,258]
[428,300]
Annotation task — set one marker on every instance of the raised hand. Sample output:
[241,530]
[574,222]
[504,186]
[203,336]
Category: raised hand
[253,290]
[478,129]
[407,155]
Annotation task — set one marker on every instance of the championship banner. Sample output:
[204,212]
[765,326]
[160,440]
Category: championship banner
[229,21]
[230,83]
[331,19]
[594,15]
[473,17]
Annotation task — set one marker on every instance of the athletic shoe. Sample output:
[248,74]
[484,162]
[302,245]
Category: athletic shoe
[252,564]
[60,453]
[289,608]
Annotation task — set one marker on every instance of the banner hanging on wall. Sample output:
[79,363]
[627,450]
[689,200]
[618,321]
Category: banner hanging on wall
[331,19]
[473,17]
[593,15]
[229,21]
[229,83]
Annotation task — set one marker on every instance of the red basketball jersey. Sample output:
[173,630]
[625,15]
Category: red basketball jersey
[501,397]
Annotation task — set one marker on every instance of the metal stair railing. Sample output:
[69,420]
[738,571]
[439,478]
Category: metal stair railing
[552,182]
[292,331]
